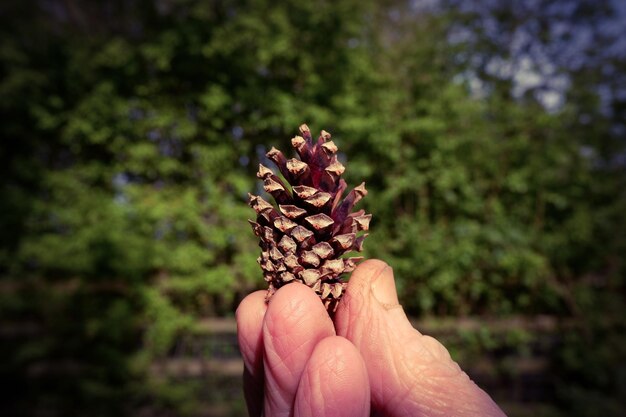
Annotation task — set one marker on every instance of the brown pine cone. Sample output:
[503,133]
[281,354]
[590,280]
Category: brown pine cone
[304,238]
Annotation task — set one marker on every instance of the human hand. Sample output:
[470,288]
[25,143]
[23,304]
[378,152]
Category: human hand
[298,362]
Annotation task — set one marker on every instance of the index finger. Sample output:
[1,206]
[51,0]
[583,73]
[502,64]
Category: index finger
[295,322]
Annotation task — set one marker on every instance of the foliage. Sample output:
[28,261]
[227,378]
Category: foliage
[131,133]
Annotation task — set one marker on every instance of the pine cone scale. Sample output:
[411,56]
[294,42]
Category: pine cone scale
[304,237]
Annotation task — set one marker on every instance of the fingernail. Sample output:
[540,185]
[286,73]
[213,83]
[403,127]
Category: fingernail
[384,288]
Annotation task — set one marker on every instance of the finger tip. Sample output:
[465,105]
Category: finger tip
[370,297]
[295,301]
[359,287]
[338,355]
[377,277]
[369,267]
[291,291]
[336,381]
[365,274]
[253,302]
[294,310]
[339,360]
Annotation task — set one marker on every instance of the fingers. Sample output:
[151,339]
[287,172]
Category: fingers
[295,322]
[249,316]
[409,374]
[334,382]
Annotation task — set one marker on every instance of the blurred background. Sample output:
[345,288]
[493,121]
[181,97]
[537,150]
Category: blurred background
[491,136]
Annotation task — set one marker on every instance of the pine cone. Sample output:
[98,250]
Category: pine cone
[304,238]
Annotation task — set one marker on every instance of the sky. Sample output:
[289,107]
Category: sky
[538,42]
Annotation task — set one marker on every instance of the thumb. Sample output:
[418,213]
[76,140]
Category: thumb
[409,374]
[371,300]
[370,316]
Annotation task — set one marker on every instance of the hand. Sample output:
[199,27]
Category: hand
[298,362]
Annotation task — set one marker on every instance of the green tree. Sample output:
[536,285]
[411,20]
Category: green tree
[131,133]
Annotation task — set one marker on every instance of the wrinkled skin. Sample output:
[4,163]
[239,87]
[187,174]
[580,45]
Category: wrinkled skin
[370,360]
